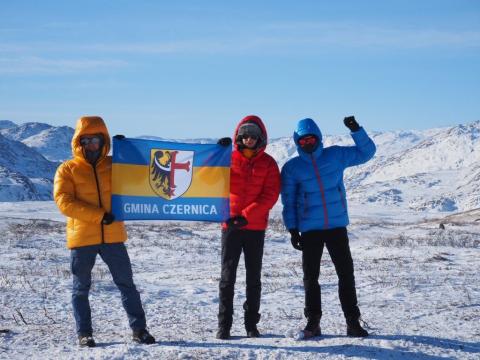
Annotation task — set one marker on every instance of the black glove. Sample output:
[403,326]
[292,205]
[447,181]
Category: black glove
[225,141]
[119,137]
[236,222]
[108,218]
[351,123]
[296,239]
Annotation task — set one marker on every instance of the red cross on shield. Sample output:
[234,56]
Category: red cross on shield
[170,172]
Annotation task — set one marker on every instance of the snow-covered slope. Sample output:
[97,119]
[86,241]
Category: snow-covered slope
[417,289]
[51,141]
[429,171]
[24,173]
[21,132]
[54,143]
[29,156]
[15,186]
[436,170]
[439,172]
[5,124]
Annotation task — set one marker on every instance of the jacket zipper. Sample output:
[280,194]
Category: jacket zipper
[322,192]
[99,197]
[249,177]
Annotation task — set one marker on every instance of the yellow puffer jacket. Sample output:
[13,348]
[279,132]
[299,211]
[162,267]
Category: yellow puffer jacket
[83,193]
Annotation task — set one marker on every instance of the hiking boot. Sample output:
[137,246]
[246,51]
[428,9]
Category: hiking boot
[253,332]
[223,334]
[354,328]
[313,327]
[86,341]
[251,320]
[307,333]
[143,337]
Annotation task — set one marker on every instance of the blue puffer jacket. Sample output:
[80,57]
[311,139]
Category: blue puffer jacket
[313,193]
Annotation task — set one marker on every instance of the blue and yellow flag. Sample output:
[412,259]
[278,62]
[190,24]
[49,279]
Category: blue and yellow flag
[160,180]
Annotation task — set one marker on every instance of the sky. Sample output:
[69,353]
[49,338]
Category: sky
[183,69]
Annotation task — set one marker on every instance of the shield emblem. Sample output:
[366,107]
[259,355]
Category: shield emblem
[170,172]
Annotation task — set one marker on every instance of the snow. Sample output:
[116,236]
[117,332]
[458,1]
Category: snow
[429,172]
[5,124]
[54,143]
[24,173]
[417,287]
[24,131]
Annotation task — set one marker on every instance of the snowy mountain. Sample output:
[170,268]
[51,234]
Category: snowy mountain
[429,171]
[50,141]
[24,173]
[53,143]
[24,131]
[435,170]
[438,172]
[5,124]
[29,156]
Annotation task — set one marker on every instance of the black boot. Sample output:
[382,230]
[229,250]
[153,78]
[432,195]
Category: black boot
[143,337]
[313,327]
[251,321]
[354,328]
[223,333]
[224,325]
[253,332]
[86,341]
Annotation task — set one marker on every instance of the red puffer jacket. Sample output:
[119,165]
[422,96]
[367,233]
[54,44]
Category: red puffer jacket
[254,182]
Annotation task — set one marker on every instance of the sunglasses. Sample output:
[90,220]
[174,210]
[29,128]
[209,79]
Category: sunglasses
[307,140]
[95,140]
[246,136]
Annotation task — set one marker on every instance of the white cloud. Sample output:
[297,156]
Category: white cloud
[284,37]
[359,35]
[39,65]
[275,38]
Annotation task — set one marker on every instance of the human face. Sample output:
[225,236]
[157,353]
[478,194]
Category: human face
[307,140]
[308,143]
[250,141]
[91,142]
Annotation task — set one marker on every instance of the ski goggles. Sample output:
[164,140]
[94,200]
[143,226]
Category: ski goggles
[95,140]
[249,136]
[307,140]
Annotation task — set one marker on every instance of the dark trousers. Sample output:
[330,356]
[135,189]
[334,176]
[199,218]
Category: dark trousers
[233,242]
[336,241]
[117,260]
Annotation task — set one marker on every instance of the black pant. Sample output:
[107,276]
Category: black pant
[233,242]
[336,241]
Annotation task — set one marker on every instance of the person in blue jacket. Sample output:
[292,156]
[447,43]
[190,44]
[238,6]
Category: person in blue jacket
[315,213]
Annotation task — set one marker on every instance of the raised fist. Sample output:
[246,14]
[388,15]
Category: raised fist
[351,123]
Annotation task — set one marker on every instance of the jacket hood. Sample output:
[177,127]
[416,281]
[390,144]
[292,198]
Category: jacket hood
[256,120]
[308,127]
[90,125]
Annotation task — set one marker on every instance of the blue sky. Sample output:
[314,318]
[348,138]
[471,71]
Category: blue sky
[195,68]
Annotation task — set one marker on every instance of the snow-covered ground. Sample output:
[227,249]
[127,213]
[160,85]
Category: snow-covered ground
[418,289]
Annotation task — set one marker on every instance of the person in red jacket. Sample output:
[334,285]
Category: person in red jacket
[254,189]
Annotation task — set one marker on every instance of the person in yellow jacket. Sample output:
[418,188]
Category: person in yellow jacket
[82,192]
